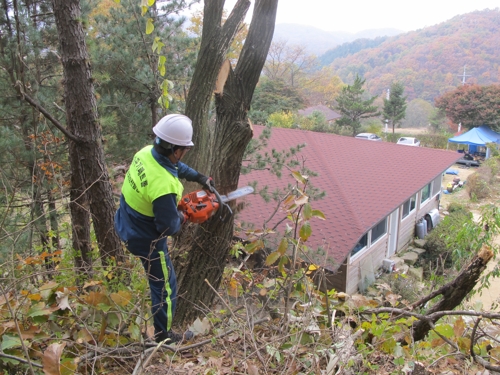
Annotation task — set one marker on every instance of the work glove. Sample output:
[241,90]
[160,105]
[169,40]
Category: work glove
[206,182]
[183,216]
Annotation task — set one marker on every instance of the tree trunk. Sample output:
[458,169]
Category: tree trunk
[220,147]
[454,292]
[90,186]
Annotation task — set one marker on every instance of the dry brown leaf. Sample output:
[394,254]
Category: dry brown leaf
[51,359]
[122,298]
[91,283]
[252,369]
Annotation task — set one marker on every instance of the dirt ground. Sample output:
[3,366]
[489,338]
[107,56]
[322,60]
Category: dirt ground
[492,295]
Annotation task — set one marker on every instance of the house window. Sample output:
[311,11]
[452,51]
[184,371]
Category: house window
[409,206]
[379,230]
[362,244]
[436,185]
[425,193]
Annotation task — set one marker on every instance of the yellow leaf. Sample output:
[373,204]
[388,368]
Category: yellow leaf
[151,2]
[144,9]
[313,267]
[122,298]
[233,288]
[35,297]
[117,1]
[149,26]
[51,358]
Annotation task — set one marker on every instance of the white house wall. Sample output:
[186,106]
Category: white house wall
[371,259]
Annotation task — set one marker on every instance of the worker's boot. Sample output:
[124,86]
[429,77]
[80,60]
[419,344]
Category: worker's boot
[172,337]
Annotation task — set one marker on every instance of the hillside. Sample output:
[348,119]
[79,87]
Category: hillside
[319,41]
[431,61]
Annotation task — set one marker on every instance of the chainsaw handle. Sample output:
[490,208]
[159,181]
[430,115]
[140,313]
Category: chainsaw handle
[221,202]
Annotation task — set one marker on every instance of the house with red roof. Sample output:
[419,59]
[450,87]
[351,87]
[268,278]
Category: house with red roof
[330,115]
[375,195]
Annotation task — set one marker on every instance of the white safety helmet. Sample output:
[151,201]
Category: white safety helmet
[175,129]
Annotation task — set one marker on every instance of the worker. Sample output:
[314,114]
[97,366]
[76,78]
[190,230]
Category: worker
[148,214]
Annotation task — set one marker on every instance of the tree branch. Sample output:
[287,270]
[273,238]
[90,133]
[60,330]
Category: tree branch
[47,115]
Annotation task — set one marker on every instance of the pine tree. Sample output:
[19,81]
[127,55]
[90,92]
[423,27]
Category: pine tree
[395,107]
[353,108]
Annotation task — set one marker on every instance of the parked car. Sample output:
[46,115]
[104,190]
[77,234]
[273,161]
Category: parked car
[409,141]
[369,136]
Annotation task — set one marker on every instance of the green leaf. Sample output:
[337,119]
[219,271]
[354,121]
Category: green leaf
[298,176]
[149,26]
[305,231]
[283,246]
[135,331]
[307,211]
[254,246]
[272,258]
[9,342]
[281,264]
[445,330]
[38,309]
[318,214]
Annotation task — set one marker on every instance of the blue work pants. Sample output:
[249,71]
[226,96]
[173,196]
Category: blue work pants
[162,280]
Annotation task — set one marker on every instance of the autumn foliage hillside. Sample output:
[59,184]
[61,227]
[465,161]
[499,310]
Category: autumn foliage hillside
[430,61]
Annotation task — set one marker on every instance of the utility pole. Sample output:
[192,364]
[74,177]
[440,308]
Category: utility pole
[387,121]
[463,76]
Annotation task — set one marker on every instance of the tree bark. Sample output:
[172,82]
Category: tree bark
[221,145]
[91,191]
[454,292]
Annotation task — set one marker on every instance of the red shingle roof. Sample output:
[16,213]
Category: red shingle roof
[329,113]
[364,182]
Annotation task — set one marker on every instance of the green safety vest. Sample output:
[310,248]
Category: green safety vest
[147,180]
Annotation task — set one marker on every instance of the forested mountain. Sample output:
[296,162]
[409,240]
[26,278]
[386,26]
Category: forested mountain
[319,41]
[350,48]
[431,61]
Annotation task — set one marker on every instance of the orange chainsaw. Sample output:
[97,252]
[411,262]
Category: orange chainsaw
[201,205]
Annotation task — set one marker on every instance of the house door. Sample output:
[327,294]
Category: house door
[393,233]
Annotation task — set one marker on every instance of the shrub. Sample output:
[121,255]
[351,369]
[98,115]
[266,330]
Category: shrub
[478,183]
[281,119]
[441,241]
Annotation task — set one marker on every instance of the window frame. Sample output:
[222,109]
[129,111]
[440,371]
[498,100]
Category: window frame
[410,209]
[429,186]
[369,241]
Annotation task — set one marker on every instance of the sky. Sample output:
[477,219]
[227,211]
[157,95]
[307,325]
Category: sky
[358,15]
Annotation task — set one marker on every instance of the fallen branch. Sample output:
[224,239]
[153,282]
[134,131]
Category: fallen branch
[455,291]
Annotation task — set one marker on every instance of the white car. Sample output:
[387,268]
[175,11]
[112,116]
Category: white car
[369,136]
[409,141]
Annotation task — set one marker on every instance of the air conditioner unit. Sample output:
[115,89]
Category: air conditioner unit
[388,265]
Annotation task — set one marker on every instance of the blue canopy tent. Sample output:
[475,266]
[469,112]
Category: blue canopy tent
[475,137]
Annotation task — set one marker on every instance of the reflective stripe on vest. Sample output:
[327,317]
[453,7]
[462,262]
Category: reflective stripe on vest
[147,180]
